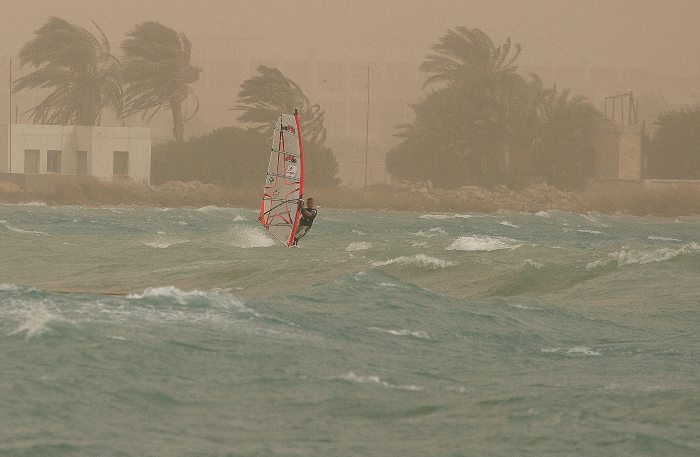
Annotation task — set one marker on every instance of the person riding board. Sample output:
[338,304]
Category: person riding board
[308,214]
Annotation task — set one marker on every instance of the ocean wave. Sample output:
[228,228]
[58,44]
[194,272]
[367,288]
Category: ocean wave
[352,377]
[181,297]
[662,238]
[18,230]
[650,256]
[358,246]
[433,232]
[643,257]
[248,237]
[6,287]
[574,350]
[418,260]
[402,332]
[36,323]
[447,216]
[592,232]
[544,214]
[509,224]
[162,242]
[482,243]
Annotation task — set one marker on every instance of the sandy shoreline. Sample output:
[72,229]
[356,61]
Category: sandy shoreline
[541,197]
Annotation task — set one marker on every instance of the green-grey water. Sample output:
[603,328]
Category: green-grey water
[386,334]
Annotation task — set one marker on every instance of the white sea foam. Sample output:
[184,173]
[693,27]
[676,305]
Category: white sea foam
[18,230]
[162,241]
[381,284]
[36,323]
[662,238]
[418,260]
[574,350]
[248,237]
[641,257]
[433,232]
[180,296]
[592,232]
[482,243]
[524,307]
[5,287]
[582,350]
[352,377]
[534,263]
[509,224]
[402,332]
[358,232]
[446,216]
[544,214]
[358,246]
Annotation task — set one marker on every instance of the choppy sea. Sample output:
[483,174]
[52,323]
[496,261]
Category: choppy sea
[188,332]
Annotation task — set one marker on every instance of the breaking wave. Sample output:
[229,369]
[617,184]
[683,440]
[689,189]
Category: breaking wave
[482,243]
[18,230]
[248,237]
[402,332]
[358,246]
[447,216]
[433,232]
[352,377]
[36,323]
[418,260]
[642,257]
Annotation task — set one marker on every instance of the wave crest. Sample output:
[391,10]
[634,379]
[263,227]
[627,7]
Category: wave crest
[482,243]
[418,260]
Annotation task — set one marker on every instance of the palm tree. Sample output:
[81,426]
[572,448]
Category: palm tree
[469,56]
[466,62]
[158,73]
[77,67]
[563,149]
[264,97]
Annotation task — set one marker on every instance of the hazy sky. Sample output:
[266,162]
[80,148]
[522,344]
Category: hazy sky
[630,33]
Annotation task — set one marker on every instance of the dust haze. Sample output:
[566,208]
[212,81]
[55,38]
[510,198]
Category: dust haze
[591,48]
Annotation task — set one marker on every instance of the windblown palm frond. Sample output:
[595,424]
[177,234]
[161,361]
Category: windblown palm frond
[78,67]
[158,73]
[263,97]
[466,55]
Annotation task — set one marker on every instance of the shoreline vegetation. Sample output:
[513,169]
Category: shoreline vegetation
[416,197]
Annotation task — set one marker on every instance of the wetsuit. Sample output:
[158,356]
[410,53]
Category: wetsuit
[305,223]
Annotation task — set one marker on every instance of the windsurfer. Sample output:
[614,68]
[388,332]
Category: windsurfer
[308,214]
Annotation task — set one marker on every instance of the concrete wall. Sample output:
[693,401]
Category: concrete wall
[630,153]
[618,153]
[99,143]
[606,162]
[673,184]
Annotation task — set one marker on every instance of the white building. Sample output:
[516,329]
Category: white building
[103,152]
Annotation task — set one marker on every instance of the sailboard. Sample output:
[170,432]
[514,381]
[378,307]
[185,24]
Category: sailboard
[284,183]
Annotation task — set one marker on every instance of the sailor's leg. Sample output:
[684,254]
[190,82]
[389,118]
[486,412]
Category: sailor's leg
[301,231]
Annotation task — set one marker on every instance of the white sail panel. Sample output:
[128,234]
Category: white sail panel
[284,183]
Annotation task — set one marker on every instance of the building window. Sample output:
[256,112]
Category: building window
[81,163]
[31,161]
[121,163]
[53,161]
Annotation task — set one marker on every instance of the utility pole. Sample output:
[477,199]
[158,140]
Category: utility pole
[9,117]
[367,130]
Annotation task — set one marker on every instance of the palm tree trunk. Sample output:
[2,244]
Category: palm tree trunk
[178,123]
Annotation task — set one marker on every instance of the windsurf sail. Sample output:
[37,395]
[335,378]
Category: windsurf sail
[284,183]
